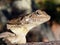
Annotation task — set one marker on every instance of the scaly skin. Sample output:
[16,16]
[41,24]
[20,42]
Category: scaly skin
[25,25]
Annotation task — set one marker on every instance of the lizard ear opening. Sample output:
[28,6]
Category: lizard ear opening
[27,19]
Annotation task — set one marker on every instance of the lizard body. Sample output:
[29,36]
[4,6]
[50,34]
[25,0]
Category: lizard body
[30,21]
[25,25]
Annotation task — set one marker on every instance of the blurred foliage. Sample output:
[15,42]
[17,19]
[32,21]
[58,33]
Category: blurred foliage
[56,1]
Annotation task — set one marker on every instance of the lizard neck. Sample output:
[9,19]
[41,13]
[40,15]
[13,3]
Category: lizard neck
[21,29]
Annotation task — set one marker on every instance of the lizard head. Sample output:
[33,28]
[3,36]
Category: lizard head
[36,18]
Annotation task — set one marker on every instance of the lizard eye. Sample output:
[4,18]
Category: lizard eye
[37,13]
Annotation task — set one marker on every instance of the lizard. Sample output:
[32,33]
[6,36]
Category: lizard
[28,22]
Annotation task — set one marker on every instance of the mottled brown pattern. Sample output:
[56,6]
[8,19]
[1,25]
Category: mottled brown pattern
[20,27]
